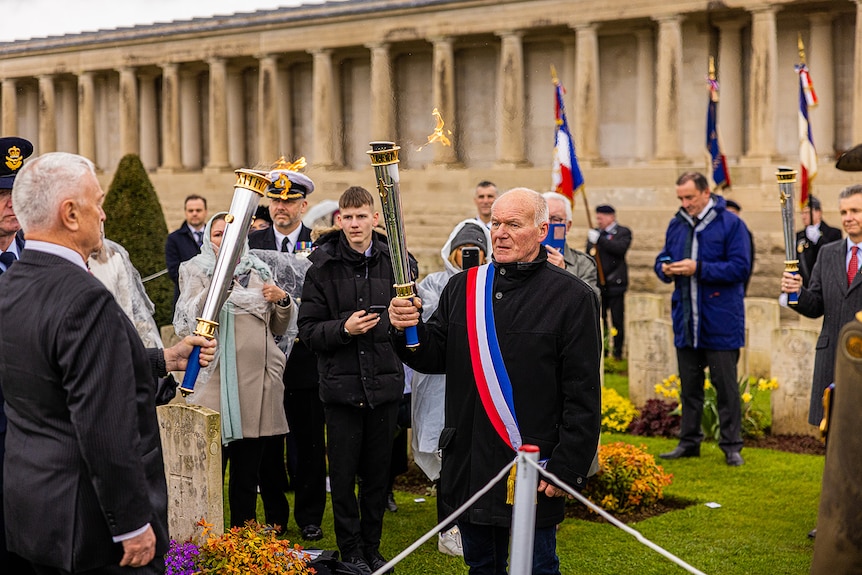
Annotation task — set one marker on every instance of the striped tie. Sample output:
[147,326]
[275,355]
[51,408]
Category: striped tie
[853,266]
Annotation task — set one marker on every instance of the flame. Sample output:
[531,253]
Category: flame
[283,164]
[437,135]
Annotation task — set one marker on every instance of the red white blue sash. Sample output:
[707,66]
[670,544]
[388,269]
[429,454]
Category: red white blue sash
[492,380]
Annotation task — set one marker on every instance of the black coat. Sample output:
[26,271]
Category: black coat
[300,372]
[83,454]
[612,250]
[181,246]
[361,370]
[547,323]
[807,250]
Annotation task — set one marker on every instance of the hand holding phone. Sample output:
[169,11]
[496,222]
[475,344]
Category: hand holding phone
[469,258]
[665,260]
[378,309]
[556,237]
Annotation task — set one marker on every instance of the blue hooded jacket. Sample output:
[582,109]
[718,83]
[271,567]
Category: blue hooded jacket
[708,308]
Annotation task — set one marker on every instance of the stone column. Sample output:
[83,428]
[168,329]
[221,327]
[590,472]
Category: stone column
[171,154]
[9,113]
[645,95]
[820,61]
[149,121]
[323,108]
[856,94]
[47,115]
[763,85]
[236,124]
[267,109]
[586,112]
[218,142]
[128,112]
[443,95]
[382,97]
[668,84]
[190,120]
[510,127]
[86,116]
[729,73]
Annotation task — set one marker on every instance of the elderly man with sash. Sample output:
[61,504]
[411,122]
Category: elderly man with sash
[519,342]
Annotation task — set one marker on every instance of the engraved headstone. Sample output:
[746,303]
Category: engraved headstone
[762,317]
[652,357]
[793,367]
[191,445]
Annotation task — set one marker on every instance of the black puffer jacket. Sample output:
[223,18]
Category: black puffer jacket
[361,370]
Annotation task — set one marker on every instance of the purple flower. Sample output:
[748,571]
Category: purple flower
[181,558]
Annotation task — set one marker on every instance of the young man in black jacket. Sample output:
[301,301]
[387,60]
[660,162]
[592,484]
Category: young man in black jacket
[361,377]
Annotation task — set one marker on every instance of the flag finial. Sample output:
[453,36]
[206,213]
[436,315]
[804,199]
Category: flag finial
[801,47]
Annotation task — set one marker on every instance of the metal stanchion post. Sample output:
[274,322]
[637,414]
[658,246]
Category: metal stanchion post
[524,513]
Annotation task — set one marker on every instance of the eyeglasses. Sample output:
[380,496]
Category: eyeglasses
[556,220]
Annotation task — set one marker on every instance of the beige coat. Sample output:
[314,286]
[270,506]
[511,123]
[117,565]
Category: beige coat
[260,366]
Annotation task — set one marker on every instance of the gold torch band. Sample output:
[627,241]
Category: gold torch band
[404,291]
[206,328]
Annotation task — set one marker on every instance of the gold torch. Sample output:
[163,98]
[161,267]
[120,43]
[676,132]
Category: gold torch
[786,179]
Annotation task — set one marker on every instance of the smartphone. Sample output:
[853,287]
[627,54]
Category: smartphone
[378,309]
[469,258]
[665,260]
[556,237]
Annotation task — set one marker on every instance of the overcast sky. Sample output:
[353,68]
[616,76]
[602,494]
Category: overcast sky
[24,19]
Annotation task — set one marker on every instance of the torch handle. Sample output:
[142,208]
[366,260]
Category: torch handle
[793,298]
[411,334]
[192,370]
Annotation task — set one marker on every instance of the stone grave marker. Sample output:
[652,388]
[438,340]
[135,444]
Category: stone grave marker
[793,366]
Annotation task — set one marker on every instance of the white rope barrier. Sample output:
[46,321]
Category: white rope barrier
[615,522]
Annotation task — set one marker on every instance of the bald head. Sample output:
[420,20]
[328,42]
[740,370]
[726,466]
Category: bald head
[519,222]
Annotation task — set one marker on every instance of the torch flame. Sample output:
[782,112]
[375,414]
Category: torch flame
[437,135]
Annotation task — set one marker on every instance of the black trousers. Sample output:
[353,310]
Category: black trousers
[246,456]
[616,305]
[722,370]
[307,431]
[273,482]
[359,441]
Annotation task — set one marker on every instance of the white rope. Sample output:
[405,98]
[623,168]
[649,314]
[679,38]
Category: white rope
[397,559]
[615,522]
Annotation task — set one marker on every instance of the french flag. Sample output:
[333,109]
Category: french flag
[567,176]
[807,152]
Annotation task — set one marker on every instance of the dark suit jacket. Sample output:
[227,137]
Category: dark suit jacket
[301,369]
[181,246]
[612,253]
[827,295]
[83,454]
[808,250]
[19,239]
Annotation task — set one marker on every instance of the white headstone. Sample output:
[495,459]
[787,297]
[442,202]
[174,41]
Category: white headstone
[793,366]
[652,357]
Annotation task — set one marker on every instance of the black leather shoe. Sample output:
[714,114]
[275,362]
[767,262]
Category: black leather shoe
[734,459]
[376,561]
[390,503]
[359,564]
[312,533]
[681,452]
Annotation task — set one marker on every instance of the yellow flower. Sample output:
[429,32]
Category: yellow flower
[614,332]
[746,397]
[674,393]
[707,384]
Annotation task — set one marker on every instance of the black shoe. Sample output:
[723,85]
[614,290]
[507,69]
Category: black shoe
[312,533]
[734,459]
[681,452]
[376,561]
[390,503]
[359,564]
[813,533]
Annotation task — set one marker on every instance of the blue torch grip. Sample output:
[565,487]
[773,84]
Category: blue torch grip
[192,370]
[793,298]
[411,334]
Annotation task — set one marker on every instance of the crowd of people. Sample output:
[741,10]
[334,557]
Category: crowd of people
[312,375]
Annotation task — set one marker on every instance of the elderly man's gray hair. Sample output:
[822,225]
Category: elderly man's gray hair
[560,198]
[43,184]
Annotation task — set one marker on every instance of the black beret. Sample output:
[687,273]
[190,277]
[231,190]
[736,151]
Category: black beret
[605,209]
[15,151]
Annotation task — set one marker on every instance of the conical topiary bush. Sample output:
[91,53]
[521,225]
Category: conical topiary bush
[135,220]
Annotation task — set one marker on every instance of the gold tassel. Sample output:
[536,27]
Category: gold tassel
[510,485]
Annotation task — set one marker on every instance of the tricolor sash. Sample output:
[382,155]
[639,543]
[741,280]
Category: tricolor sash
[492,380]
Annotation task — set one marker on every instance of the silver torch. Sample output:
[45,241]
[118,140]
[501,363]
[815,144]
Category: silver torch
[249,188]
[786,179]
[384,158]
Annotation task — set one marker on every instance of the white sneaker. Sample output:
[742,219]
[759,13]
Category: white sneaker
[449,542]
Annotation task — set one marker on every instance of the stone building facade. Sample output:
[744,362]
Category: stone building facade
[197,99]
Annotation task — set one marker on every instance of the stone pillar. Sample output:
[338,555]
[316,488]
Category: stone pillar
[9,113]
[820,61]
[382,96]
[652,357]
[86,116]
[191,449]
[171,154]
[586,112]
[645,95]
[218,142]
[236,124]
[763,85]
[47,115]
[267,109]
[128,112]
[729,73]
[856,93]
[190,120]
[284,93]
[793,351]
[443,95]
[323,109]
[668,85]
[510,128]
[149,121]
